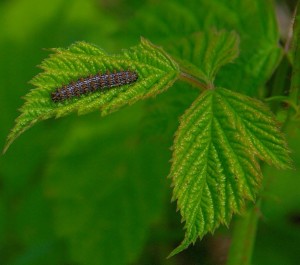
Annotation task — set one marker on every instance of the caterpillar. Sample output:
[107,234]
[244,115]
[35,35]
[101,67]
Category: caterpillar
[93,83]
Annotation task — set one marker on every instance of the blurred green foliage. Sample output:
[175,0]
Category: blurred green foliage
[92,190]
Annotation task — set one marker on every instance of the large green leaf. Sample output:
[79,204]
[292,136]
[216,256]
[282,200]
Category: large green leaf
[156,72]
[215,161]
[253,20]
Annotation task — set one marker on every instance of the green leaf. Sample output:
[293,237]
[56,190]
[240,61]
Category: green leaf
[215,161]
[253,20]
[203,53]
[156,72]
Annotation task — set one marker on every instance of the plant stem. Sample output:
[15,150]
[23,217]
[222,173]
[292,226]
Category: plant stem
[244,237]
[192,80]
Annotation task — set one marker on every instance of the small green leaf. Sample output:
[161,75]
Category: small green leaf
[215,161]
[156,72]
[203,53]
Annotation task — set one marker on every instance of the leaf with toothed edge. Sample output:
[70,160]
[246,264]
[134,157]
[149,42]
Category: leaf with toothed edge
[215,167]
[155,69]
[204,53]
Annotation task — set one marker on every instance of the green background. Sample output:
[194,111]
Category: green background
[94,190]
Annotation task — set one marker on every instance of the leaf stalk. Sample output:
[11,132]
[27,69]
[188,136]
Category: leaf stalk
[186,77]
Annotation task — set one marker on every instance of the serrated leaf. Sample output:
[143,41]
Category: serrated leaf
[253,20]
[215,161]
[156,72]
[203,53]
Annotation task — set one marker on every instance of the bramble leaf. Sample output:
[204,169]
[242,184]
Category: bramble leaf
[216,156]
[203,53]
[256,27]
[156,72]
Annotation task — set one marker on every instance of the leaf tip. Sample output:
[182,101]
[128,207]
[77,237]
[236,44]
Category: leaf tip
[184,244]
[8,142]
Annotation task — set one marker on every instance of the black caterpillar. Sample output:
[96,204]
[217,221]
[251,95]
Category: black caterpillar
[93,83]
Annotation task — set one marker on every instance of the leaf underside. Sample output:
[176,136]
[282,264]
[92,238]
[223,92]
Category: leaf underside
[216,156]
[156,72]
